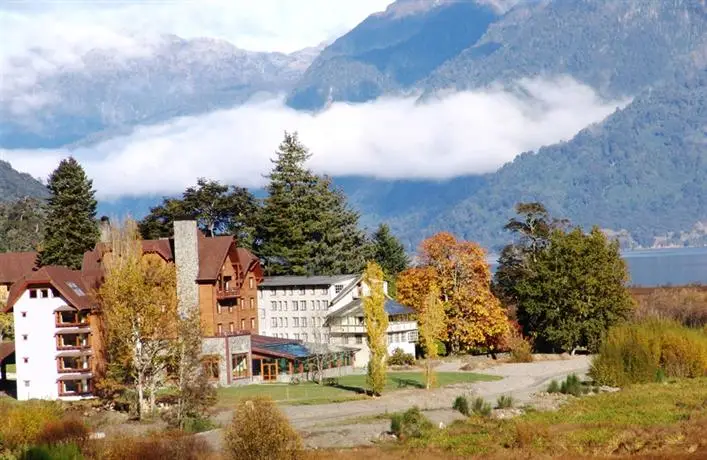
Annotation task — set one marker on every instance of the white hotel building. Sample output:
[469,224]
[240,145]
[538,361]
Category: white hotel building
[328,309]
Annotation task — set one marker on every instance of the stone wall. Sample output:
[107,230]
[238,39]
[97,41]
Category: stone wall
[186,257]
[224,347]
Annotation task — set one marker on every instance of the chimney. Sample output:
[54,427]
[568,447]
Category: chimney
[186,259]
[104,228]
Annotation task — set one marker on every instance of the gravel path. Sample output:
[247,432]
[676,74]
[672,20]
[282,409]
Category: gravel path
[326,425]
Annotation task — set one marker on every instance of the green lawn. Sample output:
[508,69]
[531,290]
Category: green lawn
[11,368]
[347,388]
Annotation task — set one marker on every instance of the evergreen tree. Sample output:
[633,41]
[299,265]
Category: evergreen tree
[306,226]
[390,255]
[71,226]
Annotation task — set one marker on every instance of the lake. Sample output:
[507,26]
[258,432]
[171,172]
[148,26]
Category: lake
[663,267]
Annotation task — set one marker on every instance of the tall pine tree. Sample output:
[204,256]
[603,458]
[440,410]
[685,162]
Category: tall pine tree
[71,226]
[390,255]
[306,226]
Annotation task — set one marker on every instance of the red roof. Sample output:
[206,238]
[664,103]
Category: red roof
[70,284]
[14,265]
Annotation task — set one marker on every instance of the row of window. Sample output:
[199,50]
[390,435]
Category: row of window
[301,290]
[299,305]
[297,336]
[43,293]
[232,326]
[239,301]
[296,322]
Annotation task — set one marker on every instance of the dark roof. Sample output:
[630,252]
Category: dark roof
[212,254]
[280,281]
[69,283]
[355,307]
[287,348]
[14,265]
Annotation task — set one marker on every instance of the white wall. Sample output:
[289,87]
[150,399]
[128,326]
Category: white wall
[40,347]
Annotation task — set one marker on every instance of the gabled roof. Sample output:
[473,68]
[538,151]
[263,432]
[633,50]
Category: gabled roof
[212,254]
[70,284]
[355,308]
[14,265]
[287,281]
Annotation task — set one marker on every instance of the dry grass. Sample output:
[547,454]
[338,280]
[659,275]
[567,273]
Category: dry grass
[686,305]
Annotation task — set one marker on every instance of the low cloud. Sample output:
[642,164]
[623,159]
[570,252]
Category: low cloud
[464,133]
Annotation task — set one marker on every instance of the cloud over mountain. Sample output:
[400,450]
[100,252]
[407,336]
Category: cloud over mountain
[463,133]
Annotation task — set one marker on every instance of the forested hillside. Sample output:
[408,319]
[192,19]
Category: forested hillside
[14,185]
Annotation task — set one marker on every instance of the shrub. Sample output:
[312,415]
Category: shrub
[643,352]
[519,347]
[441,348]
[259,431]
[410,424]
[504,402]
[59,452]
[400,358]
[685,305]
[198,424]
[554,387]
[571,386]
[173,445]
[481,407]
[69,430]
[22,424]
[461,405]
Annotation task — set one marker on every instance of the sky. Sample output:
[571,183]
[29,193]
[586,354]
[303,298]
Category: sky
[463,133]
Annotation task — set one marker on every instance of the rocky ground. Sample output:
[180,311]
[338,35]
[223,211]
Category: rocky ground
[356,423]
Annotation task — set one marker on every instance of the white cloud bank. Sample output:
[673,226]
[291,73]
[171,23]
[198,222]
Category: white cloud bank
[464,133]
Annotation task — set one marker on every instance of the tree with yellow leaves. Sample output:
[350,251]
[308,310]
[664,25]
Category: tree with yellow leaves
[376,321]
[459,269]
[432,327]
[138,301]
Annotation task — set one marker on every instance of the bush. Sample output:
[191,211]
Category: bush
[172,445]
[504,402]
[23,423]
[520,349]
[554,387]
[441,348]
[571,386]
[410,424]
[461,405]
[481,407]
[259,431]
[69,430]
[60,452]
[400,358]
[198,425]
[644,352]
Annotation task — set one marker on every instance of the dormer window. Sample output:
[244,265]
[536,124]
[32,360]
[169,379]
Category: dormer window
[32,293]
[338,288]
[45,293]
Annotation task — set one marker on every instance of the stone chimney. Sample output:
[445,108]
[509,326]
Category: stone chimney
[104,228]
[186,259]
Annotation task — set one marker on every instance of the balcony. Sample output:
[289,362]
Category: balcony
[229,293]
[397,326]
[402,326]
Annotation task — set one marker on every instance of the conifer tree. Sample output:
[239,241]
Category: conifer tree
[306,226]
[390,255]
[376,322]
[71,226]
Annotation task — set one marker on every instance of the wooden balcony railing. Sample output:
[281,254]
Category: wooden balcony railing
[228,293]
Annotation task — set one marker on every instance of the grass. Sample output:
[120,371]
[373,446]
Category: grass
[349,387]
[11,368]
[661,420]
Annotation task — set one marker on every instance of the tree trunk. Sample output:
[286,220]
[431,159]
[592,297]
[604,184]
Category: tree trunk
[140,397]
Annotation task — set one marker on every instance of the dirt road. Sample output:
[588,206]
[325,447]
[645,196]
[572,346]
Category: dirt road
[331,425]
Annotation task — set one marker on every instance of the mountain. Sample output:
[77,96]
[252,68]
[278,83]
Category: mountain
[109,94]
[618,47]
[14,185]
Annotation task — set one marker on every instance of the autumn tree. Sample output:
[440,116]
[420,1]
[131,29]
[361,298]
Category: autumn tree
[376,321]
[459,269]
[432,328]
[306,226]
[7,324]
[390,254]
[573,291]
[138,300]
[71,227]
[218,210]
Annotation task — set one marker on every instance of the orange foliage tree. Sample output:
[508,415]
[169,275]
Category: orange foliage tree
[459,268]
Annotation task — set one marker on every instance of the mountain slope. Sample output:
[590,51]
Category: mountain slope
[177,77]
[391,51]
[644,170]
[15,185]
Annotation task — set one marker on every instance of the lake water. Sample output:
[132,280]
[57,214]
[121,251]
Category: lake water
[663,267]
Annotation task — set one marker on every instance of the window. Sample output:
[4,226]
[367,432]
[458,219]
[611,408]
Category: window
[319,322]
[359,339]
[32,293]
[304,337]
[79,292]
[325,304]
[324,291]
[252,324]
[295,321]
[279,305]
[273,322]
[273,306]
[319,305]
[220,329]
[25,360]
[242,324]
[210,366]
[280,322]
[412,336]
[262,313]
[230,308]
[68,363]
[302,291]
[295,305]
[24,314]
[313,305]
[296,336]
[55,293]
[290,292]
[231,328]
[338,288]
[313,291]
[27,383]
[45,293]
[250,283]
[218,308]
[252,302]
[239,365]
[285,321]
[285,305]
[72,340]
[304,321]
[24,337]
[260,293]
